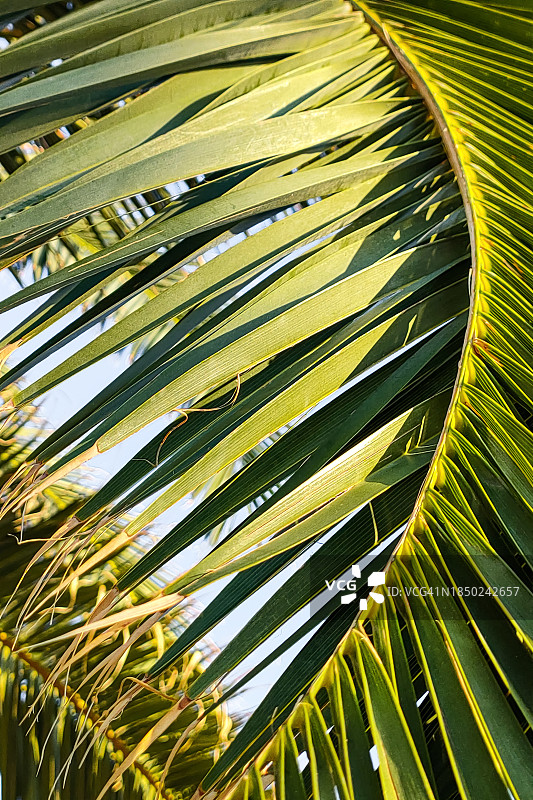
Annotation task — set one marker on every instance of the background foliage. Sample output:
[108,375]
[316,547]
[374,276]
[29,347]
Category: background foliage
[36,750]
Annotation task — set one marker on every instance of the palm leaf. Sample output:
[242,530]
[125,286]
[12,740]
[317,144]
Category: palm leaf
[341,325]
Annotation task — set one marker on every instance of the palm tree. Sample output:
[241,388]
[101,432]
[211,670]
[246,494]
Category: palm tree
[330,300]
[52,752]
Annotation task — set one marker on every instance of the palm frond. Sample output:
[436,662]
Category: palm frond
[434,678]
[322,228]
